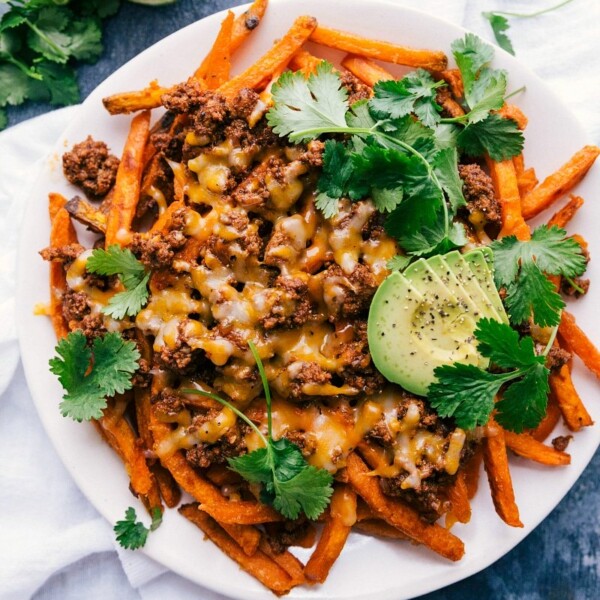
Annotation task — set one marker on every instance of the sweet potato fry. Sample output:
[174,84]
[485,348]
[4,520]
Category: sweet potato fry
[55,203]
[379,50]
[286,560]
[304,61]
[62,233]
[511,111]
[81,210]
[495,461]
[572,408]
[505,184]
[273,61]
[379,528]
[334,535]
[247,22]
[259,565]
[560,182]
[127,184]
[526,181]
[308,539]
[243,512]
[401,516]
[472,470]
[366,70]
[247,537]
[454,80]
[527,446]
[216,66]
[458,494]
[128,102]
[549,422]
[579,343]
[562,217]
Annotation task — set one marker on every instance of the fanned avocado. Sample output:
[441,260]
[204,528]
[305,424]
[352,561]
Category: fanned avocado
[425,318]
[481,262]
[458,264]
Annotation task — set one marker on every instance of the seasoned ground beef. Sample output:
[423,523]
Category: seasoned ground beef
[288,533]
[65,254]
[556,358]
[182,357]
[91,325]
[479,192]
[158,251]
[301,373]
[357,90]
[290,302]
[167,403]
[450,107]
[570,290]
[90,166]
[184,97]
[348,296]
[74,306]
[313,156]
[244,103]
[561,442]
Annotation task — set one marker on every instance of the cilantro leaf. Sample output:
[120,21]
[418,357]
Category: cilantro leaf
[495,135]
[398,262]
[60,83]
[445,165]
[87,386]
[415,93]
[486,94]
[335,178]
[3,118]
[288,482]
[133,275]
[500,26]
[468,393]
[471,54]
[133,534]
[301,106]
[520,267]
[386,200]
[464,392]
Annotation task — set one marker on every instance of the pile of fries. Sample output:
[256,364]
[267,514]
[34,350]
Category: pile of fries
[238,526]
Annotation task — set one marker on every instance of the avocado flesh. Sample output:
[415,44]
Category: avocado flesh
[457,264]
[481,262]
[412,333]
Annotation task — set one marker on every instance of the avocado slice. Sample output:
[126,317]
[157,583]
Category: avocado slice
[458,264]
[414,328]
[481,262]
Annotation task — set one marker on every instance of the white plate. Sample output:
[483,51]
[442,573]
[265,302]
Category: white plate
[368,568]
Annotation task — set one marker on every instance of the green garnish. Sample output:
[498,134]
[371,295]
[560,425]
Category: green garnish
[132,534]
[289,483]
[407,167]
[467,392]
[500,26]
[520,267]
[90,375]
[132,273]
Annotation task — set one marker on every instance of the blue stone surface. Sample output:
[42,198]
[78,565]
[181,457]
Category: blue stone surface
[560,560]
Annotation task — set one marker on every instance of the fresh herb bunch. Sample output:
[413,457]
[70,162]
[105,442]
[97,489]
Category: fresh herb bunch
[41,41]
[521,268]
[289,483]
[408,167]
[132,274]
[133,534]
[468,393]
[91,374]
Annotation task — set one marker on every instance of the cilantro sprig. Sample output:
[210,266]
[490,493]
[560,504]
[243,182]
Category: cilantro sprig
[133,534]
[500,25]
[520,267]
[90,375]
[132,273]
[288,482]
[468,393]
[407,166]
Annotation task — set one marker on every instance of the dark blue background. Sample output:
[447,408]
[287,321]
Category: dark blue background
[560,559]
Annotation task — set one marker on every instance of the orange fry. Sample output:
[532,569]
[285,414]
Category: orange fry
[366,70]
[216,66]
[458,494]
[304,61]
[495,461]
[527,446]
[507,191]
[562,217]
[379,528]
[339,521]
[454,80]
[511,111]
[128,102]
[401,516]
[579,342]
[549,422]
[572,408]
[247,22]
[247,537]
[560,182]
[472,470]
[379,50]
[243,512]
[55,203]
[259,565]
[286,560]
[127,184]
[273,61]
[526,181]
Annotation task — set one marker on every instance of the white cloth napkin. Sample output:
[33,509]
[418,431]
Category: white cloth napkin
[50,527]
